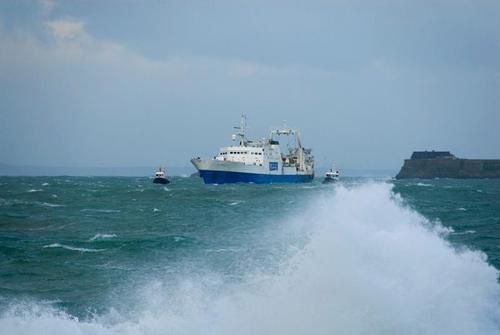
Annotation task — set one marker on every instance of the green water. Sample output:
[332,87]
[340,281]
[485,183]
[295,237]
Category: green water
[104,249]
[470,207]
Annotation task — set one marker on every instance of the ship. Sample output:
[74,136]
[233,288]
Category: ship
[331,176]
[260,162]
[160,177]
[443,164]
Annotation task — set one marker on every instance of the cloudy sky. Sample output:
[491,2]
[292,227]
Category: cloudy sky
[138,83]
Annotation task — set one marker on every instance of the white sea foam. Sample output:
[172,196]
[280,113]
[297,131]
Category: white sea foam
[45,184]
[424,185]
[465,232]
[98,237]
[33,190]
[68,247]
[371,266]
[101,210]
[48,204]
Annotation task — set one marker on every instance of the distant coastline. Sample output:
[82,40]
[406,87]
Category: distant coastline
[443,164]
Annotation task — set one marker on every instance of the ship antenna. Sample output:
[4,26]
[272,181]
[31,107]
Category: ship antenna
[297,137]
[243,124]
[241,130]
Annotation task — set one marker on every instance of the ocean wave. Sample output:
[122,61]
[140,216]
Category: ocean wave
[424,184]
[33,190]
[98,237]
[100,210]
[371,265]
[48,204]
[15,202]
[68,247]
[464,232]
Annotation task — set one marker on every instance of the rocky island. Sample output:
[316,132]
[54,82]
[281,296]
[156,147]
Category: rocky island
[443,164]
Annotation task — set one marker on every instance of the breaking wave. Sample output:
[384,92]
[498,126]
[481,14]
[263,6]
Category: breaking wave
[98,237]
[424,185]
[93,210]
[68,247]
[371,266]
[48,204]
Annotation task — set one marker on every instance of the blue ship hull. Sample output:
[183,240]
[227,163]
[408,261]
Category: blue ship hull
[223,177]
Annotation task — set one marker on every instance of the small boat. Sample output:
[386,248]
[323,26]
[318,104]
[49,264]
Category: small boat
[331,176]
[160,177]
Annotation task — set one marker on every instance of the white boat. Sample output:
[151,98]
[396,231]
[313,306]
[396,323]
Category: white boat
[160,177]
[331,176]
[260,161]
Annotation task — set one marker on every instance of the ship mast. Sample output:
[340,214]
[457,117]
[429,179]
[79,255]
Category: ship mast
[241,130]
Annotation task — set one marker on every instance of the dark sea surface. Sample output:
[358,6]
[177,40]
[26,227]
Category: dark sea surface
[111,255]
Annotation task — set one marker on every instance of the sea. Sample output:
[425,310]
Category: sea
[121,255]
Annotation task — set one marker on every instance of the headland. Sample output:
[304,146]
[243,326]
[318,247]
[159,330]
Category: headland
[443,164]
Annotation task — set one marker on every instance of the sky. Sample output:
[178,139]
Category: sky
[139,83]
